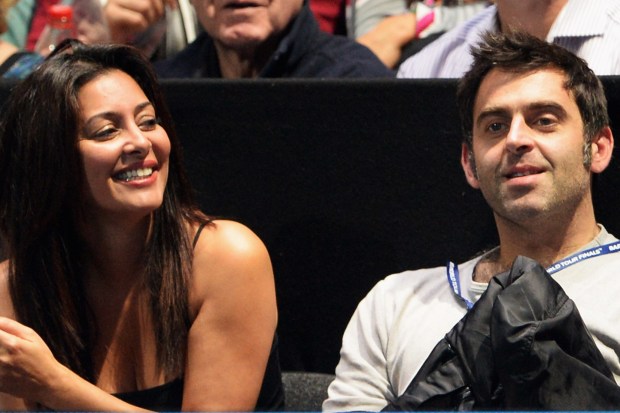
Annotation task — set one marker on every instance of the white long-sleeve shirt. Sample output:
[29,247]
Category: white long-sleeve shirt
[397,325]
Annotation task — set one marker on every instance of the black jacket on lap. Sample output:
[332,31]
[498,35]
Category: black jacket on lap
[523,346]
[304,52]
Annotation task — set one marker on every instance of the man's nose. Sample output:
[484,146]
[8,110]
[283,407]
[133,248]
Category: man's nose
[519,138]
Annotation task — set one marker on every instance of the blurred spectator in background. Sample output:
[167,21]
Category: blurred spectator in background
[393,29]
[590,29]
[331,15]
[268,38]
[14,63]
[397,29]
[6,48]
[159,28]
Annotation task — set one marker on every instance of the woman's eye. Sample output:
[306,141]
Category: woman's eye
[104,134]
[149,124]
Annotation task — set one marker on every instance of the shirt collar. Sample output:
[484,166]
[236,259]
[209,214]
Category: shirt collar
[580,18]
[485,21]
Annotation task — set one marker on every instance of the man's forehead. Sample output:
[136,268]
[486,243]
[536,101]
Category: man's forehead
[508,74]
[503,85]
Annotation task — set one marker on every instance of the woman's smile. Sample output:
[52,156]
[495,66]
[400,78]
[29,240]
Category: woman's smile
[125,150]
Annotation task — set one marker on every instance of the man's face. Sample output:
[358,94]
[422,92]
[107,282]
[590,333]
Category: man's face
[528,146]
[245,24]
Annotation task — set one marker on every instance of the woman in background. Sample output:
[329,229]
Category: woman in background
[119,293]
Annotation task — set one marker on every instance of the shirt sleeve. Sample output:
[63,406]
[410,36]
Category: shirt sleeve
[362,382]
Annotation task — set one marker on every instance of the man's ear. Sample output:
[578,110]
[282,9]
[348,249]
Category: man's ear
[602,147]
[469,167]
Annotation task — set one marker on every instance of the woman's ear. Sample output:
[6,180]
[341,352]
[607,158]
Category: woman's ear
[602,147]
[469,166]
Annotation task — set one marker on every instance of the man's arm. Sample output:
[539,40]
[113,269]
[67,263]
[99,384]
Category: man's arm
[362,382]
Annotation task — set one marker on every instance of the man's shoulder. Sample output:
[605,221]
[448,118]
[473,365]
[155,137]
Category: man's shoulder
[339,56]
[187,62]
[414,281]
[449,55]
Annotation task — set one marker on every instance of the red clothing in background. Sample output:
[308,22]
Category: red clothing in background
[39,20]
[330,15]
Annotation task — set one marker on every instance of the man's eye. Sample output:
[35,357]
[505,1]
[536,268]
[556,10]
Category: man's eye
[545,121]
[496,127]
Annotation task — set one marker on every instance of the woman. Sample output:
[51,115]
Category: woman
[119,293]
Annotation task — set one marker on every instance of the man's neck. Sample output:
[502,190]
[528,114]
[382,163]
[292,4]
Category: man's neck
[235,66]
[244,64]
[545,243]
[533,16]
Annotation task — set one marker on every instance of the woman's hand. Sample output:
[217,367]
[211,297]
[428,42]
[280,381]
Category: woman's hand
[28,368]
[29,371]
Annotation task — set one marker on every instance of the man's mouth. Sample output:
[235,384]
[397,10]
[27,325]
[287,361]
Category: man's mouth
[240,5]
[519,174]
[134,174]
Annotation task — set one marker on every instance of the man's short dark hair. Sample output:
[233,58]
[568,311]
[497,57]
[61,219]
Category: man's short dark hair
[519,52]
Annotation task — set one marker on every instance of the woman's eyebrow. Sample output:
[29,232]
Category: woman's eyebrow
[142,106]
[114,115]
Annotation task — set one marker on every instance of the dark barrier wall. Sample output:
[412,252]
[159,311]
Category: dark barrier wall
[346,182]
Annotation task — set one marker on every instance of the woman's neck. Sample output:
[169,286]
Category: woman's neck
[116,250]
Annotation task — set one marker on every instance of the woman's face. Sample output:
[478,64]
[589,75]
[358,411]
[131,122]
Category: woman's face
[124,150]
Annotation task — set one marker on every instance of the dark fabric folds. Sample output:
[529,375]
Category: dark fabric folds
[523,346]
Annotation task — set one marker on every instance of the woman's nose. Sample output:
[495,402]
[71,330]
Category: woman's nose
[137,143]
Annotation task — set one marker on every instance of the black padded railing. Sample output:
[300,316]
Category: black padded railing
[345,182]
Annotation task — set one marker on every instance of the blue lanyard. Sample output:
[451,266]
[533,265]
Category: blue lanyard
[452,270]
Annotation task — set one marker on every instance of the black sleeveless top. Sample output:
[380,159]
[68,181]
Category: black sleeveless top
[169,396]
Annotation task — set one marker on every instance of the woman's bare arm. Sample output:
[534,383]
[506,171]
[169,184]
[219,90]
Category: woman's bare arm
[234,308]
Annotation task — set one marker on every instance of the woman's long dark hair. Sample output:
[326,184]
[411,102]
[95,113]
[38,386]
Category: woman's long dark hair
[41,193]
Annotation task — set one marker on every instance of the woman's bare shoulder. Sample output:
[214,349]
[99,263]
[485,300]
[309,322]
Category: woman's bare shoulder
[229,241]
[228,255]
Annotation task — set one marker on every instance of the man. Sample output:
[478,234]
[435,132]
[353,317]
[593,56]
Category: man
[590,29]
[536,130]
[267,39]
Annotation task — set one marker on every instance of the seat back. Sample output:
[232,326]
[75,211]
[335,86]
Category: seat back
[305,391]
